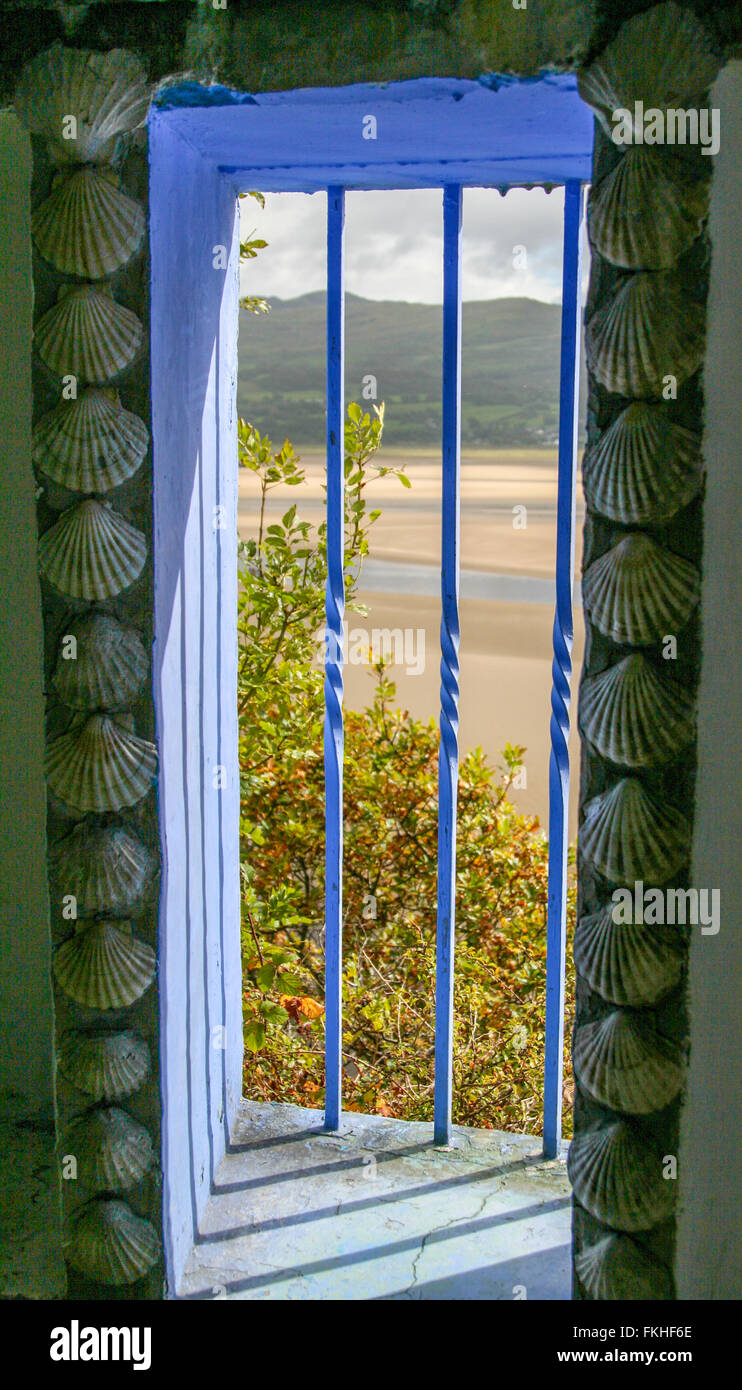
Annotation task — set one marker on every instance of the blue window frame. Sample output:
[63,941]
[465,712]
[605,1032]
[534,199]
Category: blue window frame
[207,145]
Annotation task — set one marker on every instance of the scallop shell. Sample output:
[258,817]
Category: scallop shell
[106,93]
[629,836]
[104,966]
[105,867]
[646,212]
[110,666]
[638,592]
[661,57]
[644,468]
[111,1245]
[623,1062]
[88,226]
[634,717]
[100,766]
[625,963]
[616,1175]
[647,331]
[112,1150]
[106,1066]
[88,334]
[90,444]
[617,1268]
[92,552]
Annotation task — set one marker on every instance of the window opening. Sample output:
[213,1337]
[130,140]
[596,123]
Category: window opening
[337,632]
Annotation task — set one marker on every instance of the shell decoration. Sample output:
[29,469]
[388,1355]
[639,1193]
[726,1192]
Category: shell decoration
[88,226]
[106,868]
[628,836]
[624,1063]
[617,1268]
[638,592]
[633,717]
[100,766]
[88,334]
[81,101]
[105,1066]
[104,966]
[661,58]
[113,1151]
[90,444]
[648,330]
[646,212]
[109,668]
[624,962]
[92,552]
[616,1175]
[644,468]
[110,1244]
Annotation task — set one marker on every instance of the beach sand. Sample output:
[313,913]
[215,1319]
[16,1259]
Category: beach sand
[506,647]
[408,531]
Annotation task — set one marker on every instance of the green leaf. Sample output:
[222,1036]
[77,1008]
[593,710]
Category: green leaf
[255,305]
[254,1035]
[273,1013]
[265,975]
[290,983]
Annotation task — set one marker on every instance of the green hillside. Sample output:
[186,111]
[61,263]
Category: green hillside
[510,369]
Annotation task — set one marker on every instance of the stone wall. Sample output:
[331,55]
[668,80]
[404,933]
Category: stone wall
[30,1262]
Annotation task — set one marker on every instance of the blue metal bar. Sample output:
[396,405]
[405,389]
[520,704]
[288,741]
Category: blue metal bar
[334,609]
[448,758]
[556,918]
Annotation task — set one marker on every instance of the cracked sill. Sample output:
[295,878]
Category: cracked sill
[377,1212]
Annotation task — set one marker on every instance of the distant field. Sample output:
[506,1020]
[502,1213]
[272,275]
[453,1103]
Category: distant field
[510,370]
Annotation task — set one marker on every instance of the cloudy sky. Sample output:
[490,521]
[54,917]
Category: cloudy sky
[511,245]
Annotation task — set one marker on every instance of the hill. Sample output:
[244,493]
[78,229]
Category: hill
[510,351]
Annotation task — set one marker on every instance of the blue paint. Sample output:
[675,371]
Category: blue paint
[430,131]
[193,94]
[448,758]
[556,921]
[334,609]
[495,81]
[194,310]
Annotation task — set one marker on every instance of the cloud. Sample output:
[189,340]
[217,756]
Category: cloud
[512,245]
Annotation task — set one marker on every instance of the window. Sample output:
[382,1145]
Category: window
[430,133]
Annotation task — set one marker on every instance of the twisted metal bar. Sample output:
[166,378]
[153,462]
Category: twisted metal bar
[556,916]
[334,610]
[448,758]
